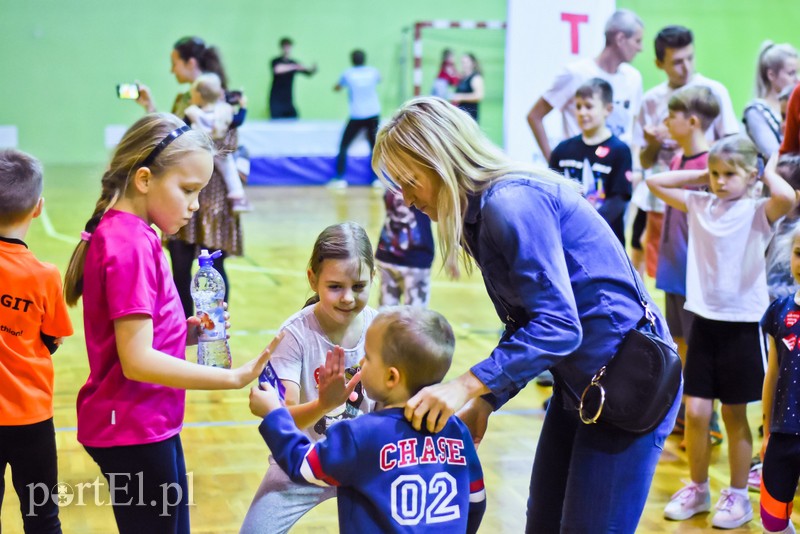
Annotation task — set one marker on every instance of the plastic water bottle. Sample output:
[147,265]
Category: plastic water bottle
[208,293]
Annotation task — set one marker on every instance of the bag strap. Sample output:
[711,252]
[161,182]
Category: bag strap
[649,316]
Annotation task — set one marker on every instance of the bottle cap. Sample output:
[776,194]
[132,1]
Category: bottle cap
[206,260]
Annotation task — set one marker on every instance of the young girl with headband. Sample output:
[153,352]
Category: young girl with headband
[131,408]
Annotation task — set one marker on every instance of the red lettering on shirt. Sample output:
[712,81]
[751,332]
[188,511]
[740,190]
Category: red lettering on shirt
[408,452]
[791,318]
[428,452]
[387,464]
[454,452]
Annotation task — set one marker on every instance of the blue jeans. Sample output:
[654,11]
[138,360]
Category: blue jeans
[591,478]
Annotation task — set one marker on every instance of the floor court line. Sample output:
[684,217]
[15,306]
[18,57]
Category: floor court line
[523,412]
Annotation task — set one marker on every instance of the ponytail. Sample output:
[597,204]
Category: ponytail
[139,146]
[113,187]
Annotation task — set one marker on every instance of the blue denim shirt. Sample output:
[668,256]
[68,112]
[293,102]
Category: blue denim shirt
[560,281]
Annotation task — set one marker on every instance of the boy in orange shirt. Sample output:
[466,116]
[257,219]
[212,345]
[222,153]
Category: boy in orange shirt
[33,322]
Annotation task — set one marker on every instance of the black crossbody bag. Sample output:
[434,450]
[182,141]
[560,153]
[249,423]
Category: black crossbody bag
[635,390]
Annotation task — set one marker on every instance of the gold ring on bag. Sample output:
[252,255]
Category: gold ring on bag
[594,383]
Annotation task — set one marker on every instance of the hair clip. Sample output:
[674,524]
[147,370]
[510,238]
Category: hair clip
[86,236]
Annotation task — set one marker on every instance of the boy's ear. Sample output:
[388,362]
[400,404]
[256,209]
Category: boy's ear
[37,209]
[659,64]
[312,280]
[142,178]
[393,377]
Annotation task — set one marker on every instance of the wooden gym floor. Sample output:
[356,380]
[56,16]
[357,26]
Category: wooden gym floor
[224,451]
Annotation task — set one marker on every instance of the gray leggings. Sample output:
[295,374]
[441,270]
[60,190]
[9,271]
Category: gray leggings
[279,503]
[411,285]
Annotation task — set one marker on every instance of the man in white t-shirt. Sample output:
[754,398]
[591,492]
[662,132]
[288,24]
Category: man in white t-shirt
[675,56]
[361,82]
[623,41]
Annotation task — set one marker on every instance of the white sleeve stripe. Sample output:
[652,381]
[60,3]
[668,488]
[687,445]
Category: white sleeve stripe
[308,473]
[478,496]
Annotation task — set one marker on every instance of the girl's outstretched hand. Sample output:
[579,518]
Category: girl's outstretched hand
[264,401]
[333,390]
[248,372]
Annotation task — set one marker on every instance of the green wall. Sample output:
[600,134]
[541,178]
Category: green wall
[61,59]
[727,33]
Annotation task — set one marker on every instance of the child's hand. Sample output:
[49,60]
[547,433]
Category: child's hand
[194,327]
[333,391]
[250,371]
[264,401]
[192,330]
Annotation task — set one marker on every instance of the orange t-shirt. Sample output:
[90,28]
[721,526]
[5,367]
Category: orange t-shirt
[31,304]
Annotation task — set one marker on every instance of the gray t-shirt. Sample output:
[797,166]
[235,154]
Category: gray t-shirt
[302,352]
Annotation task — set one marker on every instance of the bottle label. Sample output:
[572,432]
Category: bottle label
[212,324]
[269,376]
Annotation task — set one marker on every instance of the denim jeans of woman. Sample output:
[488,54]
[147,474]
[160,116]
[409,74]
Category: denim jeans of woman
[591,478]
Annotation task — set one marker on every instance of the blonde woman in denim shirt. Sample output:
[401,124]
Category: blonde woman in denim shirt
[562,284]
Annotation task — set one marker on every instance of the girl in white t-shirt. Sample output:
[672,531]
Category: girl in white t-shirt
[726,288]
[333,323]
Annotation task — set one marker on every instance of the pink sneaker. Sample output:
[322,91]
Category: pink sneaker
[733,510]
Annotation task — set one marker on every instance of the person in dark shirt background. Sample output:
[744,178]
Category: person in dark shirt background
[283,70]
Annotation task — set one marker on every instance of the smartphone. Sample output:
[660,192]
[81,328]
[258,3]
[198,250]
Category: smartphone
[233,97]
[129,91]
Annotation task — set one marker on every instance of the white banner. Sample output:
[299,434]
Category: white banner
[541,37]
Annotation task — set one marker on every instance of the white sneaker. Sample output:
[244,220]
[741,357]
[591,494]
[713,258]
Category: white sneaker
[337,183]
[788,530]
[733,510]
[240,205]
[689,501]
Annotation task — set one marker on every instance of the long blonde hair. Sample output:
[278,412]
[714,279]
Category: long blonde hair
[133,149]
[434,134]
[771,57]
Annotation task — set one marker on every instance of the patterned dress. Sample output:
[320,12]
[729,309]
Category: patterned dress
[214,225]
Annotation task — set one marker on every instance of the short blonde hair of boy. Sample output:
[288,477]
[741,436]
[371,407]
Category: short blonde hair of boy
[737,151]
[698,101]
[209,86]
[418,342]
[20,185]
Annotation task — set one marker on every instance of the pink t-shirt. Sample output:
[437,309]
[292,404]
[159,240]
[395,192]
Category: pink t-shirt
[126,273]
